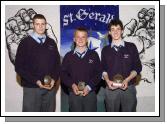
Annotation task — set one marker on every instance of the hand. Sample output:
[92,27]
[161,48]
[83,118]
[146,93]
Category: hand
[51,85]
[85,91]
[48,87]
[75,89]
[110,85]
[125,84]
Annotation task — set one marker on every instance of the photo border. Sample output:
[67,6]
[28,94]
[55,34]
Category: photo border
[94,118]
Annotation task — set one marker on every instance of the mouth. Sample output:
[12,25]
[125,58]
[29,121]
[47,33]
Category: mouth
[116,35]
[80,42]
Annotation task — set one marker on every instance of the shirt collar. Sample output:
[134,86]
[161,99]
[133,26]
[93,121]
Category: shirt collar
[77,50]
[122,43]
[35,36]
[39,36]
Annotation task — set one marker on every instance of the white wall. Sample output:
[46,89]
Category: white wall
[13,92]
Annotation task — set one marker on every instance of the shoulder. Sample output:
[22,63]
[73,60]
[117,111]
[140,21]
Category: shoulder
[67,58]
[50,40]
[28,37]
[93,53]
[131,47]
[129,44]
[69,54]
[106,48]
[25,40]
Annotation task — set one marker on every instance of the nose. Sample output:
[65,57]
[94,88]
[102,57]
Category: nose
[40,25]
[115,31]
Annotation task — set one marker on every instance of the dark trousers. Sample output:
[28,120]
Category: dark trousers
[121,100]
[38,100]
[83,103]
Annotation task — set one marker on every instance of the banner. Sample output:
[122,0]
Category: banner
[93,17]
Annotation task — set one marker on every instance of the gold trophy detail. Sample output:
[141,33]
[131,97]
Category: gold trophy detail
[81,86]
[47,80]
[118,79]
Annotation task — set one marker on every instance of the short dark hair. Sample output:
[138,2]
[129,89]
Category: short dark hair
[115,22]
[39,16]
[81,29]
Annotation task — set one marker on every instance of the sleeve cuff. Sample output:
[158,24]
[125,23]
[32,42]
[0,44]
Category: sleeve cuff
[133,72]
[104,73]
[89,88]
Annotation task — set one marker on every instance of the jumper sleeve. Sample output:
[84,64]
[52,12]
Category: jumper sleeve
[55,73]
[96,78]
[65,72]
[103,61]
[137,66]
[21,63]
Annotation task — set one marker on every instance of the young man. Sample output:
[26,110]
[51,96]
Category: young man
[121,64]
[37,56]
[81,72]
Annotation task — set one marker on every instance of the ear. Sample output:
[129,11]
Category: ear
[33,25]
[109,32]
[74,39]
[122,32]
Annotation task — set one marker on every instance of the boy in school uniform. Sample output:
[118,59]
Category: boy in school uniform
[81,72]
[121,64]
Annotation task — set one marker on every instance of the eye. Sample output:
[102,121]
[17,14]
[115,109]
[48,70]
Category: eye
[113,30]
[43,24]
[36,24]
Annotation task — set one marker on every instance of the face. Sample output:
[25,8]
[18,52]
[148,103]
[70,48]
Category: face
[115,32]
[80,38]
[39,26]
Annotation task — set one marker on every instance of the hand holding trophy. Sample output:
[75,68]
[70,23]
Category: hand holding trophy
[47,81]
[81,86]
[118,79]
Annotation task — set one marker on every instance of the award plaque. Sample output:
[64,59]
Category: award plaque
[47,80]
[81,86]
[118,79]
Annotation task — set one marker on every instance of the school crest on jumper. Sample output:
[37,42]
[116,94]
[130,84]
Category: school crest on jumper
[126,56]
[90,61]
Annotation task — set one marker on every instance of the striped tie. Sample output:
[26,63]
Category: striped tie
[117,48]
[80,54]
[41,40]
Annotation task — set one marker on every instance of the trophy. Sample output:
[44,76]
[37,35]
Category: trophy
[81,86]
[118,79]
[47,80]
